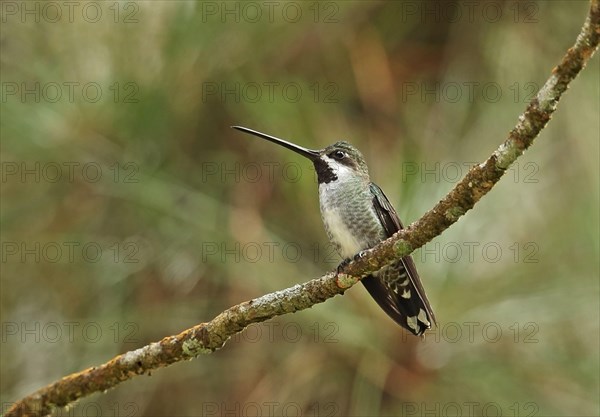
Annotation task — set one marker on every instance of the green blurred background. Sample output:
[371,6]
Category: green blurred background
[130,210]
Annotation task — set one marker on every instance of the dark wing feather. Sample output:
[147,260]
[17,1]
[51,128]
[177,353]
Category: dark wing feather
[403,300]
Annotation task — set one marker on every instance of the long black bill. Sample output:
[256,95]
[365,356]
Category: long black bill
[308,153]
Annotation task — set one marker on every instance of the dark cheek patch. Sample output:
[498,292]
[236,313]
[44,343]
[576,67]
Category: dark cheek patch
[324,173]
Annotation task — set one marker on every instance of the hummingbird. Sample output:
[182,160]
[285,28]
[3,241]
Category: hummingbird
[357,216]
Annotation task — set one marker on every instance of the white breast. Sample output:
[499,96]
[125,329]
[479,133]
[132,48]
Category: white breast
[339,233]
[335,210]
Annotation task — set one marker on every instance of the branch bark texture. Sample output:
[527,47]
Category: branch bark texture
[208,337]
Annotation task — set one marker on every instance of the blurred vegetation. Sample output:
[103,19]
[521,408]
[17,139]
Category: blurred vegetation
[172,216]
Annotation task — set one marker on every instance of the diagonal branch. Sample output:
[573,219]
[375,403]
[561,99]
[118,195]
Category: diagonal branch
[211,336]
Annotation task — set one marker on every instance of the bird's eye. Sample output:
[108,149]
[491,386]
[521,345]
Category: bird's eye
[338,154]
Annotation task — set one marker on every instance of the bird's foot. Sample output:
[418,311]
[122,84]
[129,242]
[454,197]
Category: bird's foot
[346,261]
[343,264]
[360,255]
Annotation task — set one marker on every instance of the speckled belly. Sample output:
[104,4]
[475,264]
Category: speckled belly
[349,218]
